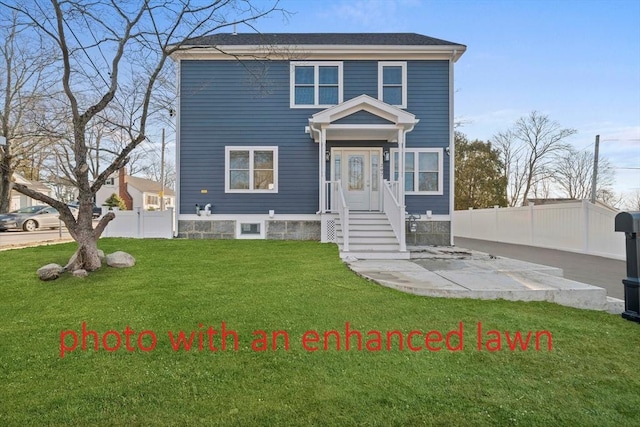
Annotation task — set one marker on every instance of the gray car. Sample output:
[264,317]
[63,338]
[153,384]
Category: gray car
[30,218]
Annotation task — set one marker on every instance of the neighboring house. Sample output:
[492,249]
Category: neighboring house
[136,192]
[331,137]
[19,200]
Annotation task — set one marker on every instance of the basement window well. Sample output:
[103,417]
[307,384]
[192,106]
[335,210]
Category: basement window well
[250,230]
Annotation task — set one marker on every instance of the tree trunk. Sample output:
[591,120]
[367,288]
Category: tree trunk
[87,257]
[5,188]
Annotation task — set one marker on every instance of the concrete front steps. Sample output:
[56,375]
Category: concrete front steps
[370,237]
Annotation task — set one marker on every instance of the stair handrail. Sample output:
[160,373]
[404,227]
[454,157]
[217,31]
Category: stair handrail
[394,211]
[343,213]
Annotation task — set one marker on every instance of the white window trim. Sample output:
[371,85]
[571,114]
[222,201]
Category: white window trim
[403,65]
[440,190]
[239,234]
[316,82]
[229,148]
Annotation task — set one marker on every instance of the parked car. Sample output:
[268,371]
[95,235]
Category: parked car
[97,210]
[31,218]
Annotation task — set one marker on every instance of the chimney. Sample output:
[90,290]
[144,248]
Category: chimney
[122,189]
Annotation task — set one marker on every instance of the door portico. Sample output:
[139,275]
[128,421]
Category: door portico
[323,127]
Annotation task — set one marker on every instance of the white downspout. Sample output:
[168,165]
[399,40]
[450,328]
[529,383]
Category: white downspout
[176,212]
[452,149]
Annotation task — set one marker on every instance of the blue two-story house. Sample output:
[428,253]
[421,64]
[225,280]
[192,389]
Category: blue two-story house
[344,138]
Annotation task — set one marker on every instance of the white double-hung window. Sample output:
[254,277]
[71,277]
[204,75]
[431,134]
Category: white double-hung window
[251,169]
[315,84]
[422,170]
[392,83]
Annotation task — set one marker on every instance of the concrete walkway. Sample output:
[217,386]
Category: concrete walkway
[593,270]
[460,273]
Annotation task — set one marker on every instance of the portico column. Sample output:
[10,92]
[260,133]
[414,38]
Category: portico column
[401,166]
[323,169]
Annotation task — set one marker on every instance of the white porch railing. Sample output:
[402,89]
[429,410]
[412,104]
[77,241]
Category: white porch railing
[394,210]
[395,189]
[336,202]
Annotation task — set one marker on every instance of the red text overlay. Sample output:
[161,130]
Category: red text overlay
[223,338]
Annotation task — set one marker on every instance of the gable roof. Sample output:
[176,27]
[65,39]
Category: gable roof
[319,46]
[398,118]
[147,186]
[359,39]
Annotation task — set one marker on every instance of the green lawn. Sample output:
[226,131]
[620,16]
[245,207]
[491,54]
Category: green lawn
[590,377]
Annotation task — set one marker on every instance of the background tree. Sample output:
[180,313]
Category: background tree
[480,177]
[111,54]
[25,82]
[573,173]
[528,151]
[115,201]
[632,201]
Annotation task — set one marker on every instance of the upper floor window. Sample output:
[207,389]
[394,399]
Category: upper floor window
[251,169]
[422,170]
[316,84]
[152,200]
[392,83]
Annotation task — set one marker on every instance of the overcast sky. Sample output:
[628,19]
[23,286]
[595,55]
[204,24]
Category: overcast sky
[576,61]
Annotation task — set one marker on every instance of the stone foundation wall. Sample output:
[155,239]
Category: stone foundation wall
[434,233]
[430,233]
[275,230]
[206,229]
[293,230]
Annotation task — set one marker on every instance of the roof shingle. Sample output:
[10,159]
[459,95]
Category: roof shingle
[342,39]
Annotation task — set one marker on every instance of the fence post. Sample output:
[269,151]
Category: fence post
[139,222]
[585,226]
[171,223]
[532,231]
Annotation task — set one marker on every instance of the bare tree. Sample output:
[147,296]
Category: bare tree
[609,197]
[573,172]
[632,201]
[24,86]
[152,170]
[115,62]
[528,151]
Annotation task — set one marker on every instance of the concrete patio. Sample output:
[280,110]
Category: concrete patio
[453,272]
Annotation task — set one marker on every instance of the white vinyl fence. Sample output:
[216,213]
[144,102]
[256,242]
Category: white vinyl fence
[139,223]
[575,227]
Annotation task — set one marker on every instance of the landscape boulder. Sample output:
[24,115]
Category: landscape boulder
[80,273]
[120,259]
[50,272]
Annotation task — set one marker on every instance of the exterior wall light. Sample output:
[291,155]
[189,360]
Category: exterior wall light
[385,155]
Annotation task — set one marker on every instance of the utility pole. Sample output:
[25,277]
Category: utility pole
[162,174]
[595,170]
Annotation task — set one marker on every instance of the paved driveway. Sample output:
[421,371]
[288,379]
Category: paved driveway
[16,238]
[593,270]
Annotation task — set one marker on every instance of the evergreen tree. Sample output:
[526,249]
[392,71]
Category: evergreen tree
[115,201]
[480,179]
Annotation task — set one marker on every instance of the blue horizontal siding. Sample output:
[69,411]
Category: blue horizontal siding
[223,105]
[247,104]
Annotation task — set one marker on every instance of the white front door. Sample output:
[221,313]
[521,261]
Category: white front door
[360,173]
